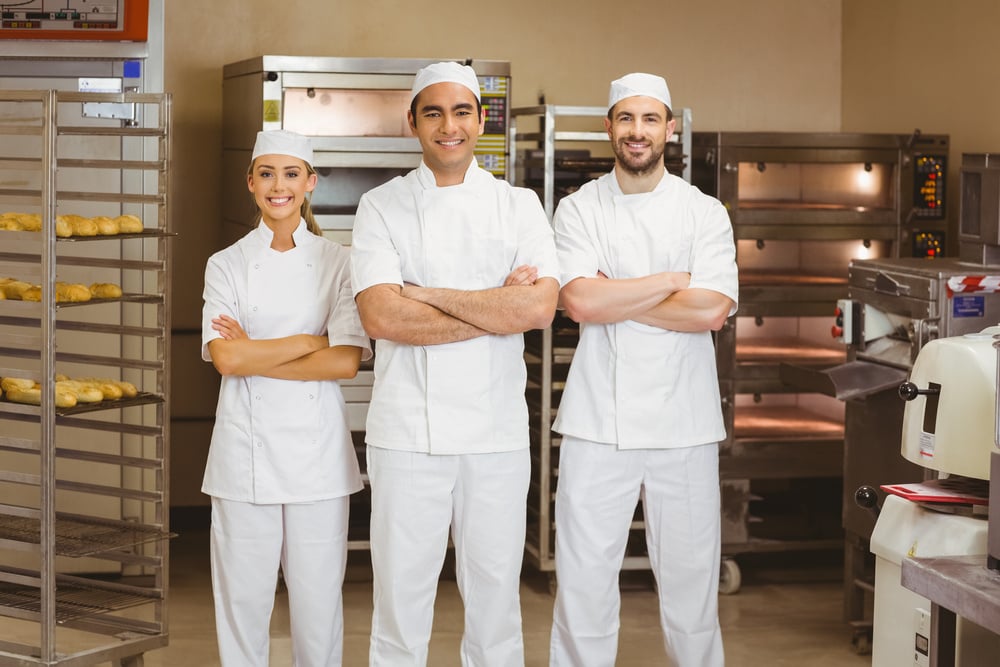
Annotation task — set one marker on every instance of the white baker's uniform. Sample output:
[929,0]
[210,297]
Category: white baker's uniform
[447,426]
[641,418]
[281,463]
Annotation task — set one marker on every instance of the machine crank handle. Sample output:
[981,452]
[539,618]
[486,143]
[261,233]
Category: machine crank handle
[909,391]
[867,497]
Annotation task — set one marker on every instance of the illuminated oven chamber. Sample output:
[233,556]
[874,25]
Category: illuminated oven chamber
[803,207]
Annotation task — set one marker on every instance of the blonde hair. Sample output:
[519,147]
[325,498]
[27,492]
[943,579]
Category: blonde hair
[305,210]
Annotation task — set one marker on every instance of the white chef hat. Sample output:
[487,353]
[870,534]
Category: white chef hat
[637,83]
[446,72]
[282,142]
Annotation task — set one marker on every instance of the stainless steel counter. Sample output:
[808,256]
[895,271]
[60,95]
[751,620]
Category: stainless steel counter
[956,586]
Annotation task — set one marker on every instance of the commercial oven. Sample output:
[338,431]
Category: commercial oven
[895,306]
[354,110]
[803,206]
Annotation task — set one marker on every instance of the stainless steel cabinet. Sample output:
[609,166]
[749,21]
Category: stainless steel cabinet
[83,490]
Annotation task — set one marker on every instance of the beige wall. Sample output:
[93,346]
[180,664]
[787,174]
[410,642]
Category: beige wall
[924,64]
[761,65]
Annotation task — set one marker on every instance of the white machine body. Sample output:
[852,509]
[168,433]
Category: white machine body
[950,430]
[953,431]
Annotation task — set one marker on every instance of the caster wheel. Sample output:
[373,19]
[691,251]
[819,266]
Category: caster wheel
[861,643]
[729,577]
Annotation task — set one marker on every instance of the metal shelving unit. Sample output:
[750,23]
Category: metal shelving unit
[84,490]
[552,157]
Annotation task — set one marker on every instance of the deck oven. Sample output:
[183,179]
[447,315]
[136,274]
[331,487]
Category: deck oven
[803,206]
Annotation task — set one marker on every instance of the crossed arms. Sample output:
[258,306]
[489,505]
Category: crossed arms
[661,300]
[297,357]
[415,315]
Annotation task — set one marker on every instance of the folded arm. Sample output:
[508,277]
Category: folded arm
[296,357]
[339,362]
[416,315]
[388,315]
[689,310]
[601,300]
[524,302]
[661,300]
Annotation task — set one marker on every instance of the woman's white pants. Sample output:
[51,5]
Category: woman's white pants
[248,543]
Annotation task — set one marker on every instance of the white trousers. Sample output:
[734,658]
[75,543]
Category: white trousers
[596,496]
[415,499]
[309,541]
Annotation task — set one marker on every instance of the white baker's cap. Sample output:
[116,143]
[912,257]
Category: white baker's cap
[446,72]
[637,83]
[282,142]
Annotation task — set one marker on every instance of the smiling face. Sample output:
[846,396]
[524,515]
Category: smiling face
[448,123]
[279,184]
[639,129]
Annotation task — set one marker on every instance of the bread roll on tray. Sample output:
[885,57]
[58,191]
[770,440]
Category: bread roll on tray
[129,224]
[105,291]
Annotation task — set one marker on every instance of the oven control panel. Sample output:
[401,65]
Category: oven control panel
[491,149]
[928,187]
[928,243]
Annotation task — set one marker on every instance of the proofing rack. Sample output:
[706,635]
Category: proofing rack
[78,536]
[76,598]
[84,490]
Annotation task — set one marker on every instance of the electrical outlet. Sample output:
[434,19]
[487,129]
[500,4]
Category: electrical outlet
[922,638]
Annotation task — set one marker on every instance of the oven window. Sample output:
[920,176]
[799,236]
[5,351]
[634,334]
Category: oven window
[817,186]
[339,112]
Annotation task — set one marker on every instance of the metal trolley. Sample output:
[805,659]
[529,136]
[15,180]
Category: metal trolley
[84,490]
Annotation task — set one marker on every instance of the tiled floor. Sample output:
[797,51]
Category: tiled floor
[774,620]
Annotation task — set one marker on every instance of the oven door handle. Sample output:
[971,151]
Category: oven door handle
[885,284]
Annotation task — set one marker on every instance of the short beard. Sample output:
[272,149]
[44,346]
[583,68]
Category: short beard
[645,168]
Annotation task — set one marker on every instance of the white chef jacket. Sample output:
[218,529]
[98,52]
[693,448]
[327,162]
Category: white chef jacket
[454,398]
[281,441]
[631,384]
